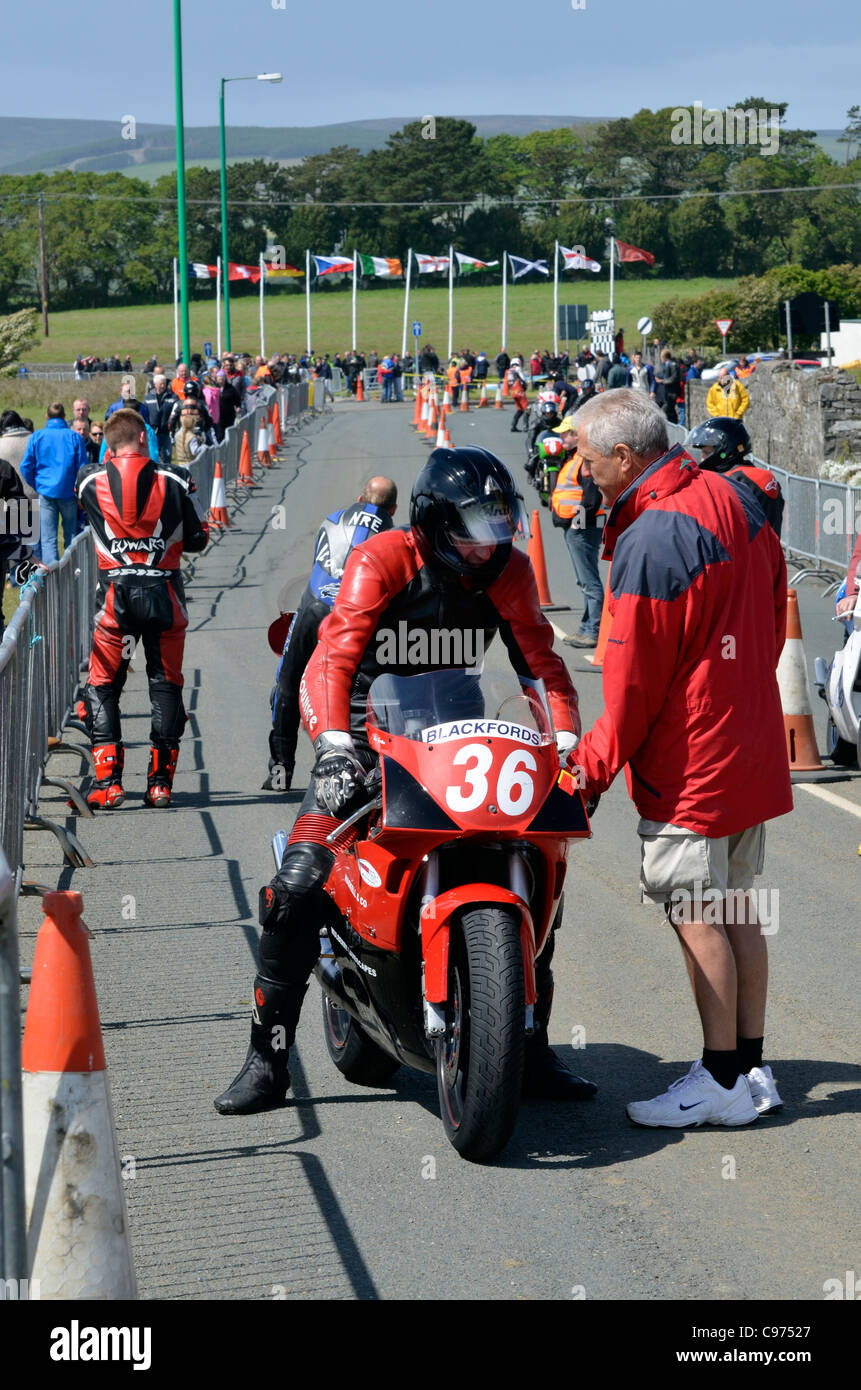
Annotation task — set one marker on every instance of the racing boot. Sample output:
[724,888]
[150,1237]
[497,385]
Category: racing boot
[160,773]
[108,793]
[545,1077]
[264,1078]
[279,778]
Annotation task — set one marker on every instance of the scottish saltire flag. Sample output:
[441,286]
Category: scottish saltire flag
[380,265]
[198,271]
[427,264]
[575,260]
[470,265]
[332,265]
[521,266]
[274,271]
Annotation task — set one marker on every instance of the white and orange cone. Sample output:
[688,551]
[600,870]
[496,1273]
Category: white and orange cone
[794,685]
[78,1241]
[263,455]
[482,400]
[218,505]
[497,404]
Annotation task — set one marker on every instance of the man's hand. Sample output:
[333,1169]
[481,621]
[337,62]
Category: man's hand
[338,774]
[846,606]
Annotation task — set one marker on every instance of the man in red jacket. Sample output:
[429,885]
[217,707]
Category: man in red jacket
[693,714]
[454,567]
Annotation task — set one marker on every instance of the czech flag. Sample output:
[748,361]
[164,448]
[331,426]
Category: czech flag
[333,265]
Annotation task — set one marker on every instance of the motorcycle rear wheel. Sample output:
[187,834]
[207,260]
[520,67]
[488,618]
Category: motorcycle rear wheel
[356,1057]
[480,1057]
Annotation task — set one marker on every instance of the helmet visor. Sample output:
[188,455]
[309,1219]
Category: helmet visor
[492,520]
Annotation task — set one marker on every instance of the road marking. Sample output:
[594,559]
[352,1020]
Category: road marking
[831,797]
[560,633]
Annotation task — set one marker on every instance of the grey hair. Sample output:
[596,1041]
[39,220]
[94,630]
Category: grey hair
[623,416]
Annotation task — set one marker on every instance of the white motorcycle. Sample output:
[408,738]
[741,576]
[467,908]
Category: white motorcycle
[840,687]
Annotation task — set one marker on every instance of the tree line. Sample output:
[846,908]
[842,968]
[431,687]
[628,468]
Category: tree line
[700,208]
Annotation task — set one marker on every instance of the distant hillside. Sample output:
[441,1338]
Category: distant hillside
[30,145]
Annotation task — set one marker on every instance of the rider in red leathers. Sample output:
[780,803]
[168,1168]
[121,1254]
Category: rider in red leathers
[454,568]
[142,519]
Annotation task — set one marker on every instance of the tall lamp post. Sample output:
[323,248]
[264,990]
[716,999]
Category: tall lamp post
[180,179]
[259,77]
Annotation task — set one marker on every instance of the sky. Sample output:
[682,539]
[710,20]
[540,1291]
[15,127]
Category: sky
[342,61]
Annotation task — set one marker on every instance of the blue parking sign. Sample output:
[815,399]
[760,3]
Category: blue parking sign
[207,349]
[417,329]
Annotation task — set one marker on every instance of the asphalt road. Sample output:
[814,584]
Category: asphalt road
[335,1195]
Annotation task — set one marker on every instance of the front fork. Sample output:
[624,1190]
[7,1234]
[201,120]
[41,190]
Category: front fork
[437,912]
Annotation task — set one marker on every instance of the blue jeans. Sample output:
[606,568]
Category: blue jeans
[51,510]
[165,445]
[584,547]
[680,411]
[387,388]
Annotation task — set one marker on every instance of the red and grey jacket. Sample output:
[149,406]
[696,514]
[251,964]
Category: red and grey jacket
[698,600]
[141,513]
[392,614]
[766,490]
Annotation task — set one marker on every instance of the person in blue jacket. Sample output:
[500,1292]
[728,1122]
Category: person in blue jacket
[50,466]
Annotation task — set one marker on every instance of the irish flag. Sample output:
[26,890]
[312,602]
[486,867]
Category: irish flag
[380,265]
[469,265]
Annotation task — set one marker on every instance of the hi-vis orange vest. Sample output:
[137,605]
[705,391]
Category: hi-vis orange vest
[568,494]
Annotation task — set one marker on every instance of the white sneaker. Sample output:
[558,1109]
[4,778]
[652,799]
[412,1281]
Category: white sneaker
[763,1090]
[696,1099]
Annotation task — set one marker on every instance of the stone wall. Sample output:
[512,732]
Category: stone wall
[796,419]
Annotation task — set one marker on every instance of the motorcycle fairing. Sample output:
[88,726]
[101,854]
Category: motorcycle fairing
[436,920]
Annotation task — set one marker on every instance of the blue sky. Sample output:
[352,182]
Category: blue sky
[341,61]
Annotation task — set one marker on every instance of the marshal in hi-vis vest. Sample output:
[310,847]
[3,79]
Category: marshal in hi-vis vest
[567,499]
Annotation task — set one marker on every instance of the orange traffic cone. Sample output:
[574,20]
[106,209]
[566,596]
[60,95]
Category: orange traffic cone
[218,505]
[360,390]
[497,404]
[464,398]
[245,477]
[276,426]
[417,408]
[597,657]
[76,1210]
[794,688]
[482,400]
[447,435]
[441,432]
[263,455]
[505,390]
[446,398]
[535,552]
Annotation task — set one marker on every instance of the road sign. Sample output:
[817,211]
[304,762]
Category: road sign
[572,321]
[644,326]
[207,349]
[724,325]
[417,329]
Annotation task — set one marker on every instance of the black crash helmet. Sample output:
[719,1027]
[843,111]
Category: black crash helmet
[727,437]
[466,498]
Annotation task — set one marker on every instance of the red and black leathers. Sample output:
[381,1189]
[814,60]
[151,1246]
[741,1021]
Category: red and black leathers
[142,518]
[766,490]
[698,600]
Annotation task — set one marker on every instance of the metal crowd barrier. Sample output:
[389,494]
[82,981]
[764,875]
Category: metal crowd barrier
[41,656]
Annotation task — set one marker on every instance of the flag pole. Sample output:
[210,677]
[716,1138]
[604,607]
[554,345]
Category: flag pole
[307,301]
[612,270]
[175,312]
[556,300]
[406,305]
[450,300]
[504,298]
[218,305]
[262,332]
[355,274]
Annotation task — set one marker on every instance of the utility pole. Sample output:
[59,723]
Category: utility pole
[180,181]
[43,271]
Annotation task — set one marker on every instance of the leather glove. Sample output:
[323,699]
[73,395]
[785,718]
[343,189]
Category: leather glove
[338,774]
[566,742]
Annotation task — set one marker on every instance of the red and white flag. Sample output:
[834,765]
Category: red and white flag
[576,260]
[243,272]
[426,264]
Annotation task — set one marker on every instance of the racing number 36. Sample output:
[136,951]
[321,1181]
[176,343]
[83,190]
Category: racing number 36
[514,789]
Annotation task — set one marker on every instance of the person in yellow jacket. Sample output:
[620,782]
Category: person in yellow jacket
[727,397]
[577,506]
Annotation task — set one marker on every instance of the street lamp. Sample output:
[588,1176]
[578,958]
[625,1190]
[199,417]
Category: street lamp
[259,77]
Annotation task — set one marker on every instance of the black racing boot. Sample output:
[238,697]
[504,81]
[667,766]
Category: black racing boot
[545,1076]
[264,1078]
[279,778]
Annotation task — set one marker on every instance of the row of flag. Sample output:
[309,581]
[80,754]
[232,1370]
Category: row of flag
[390,266]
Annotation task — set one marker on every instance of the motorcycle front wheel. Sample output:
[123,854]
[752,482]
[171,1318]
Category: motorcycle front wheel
[479,1060]
[350,1048]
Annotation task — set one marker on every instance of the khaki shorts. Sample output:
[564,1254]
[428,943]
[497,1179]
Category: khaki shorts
[680,866]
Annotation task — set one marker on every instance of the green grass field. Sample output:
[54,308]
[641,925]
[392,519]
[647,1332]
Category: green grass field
[477,319]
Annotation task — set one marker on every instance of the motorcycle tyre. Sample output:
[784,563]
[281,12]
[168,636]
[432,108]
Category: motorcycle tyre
[357,1058]
[480,1076]
[841,753]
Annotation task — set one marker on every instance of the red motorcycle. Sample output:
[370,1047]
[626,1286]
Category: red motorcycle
[446,885]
